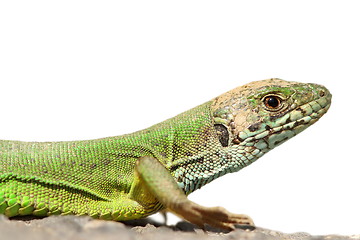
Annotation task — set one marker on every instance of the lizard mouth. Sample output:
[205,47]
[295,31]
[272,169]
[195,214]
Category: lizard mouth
[297,119]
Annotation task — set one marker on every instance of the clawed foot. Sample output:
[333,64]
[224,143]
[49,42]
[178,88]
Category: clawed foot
[215,216]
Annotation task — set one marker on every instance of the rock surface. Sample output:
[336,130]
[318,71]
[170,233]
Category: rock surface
[71,227]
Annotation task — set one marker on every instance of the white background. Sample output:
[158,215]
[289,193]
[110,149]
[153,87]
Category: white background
[72,70]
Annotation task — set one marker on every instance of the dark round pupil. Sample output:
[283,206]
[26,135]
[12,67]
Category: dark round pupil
[272,102]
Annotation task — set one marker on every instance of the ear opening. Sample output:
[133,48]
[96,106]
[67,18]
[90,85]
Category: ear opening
[223,134]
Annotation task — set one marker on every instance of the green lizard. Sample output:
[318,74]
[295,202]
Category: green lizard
[134,175]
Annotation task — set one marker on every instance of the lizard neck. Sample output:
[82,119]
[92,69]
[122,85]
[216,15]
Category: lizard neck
[197,171]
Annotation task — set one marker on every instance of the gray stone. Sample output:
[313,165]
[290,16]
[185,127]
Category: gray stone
[72,227]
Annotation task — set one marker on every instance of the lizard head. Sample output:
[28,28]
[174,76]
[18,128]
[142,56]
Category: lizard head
[248,122]
[262,115]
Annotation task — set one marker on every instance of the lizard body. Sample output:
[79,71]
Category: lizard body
[134,175]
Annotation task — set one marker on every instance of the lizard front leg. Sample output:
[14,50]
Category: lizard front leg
[159,182]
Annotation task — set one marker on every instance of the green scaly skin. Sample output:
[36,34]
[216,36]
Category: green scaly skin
[134,175]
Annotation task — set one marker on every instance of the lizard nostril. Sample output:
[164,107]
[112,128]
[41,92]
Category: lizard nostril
[322,93]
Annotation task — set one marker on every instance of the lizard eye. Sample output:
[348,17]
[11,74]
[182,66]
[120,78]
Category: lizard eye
[272,102]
